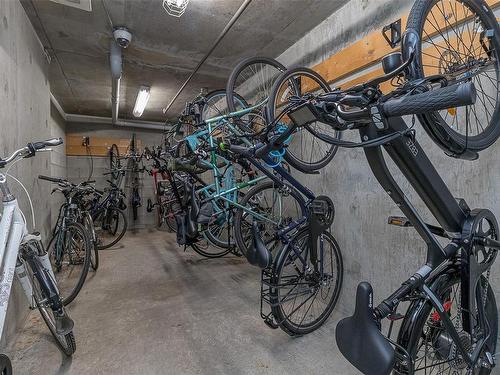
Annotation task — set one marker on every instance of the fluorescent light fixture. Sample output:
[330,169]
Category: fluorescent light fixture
[141,101]
[175,8]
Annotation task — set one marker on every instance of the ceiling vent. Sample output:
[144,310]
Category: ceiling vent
[79,4]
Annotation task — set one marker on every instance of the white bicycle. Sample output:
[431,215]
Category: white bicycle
[23,254]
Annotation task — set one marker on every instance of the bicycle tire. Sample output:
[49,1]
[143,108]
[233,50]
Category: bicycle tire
[221,251]
[217,96]
[135,213]
[120,214]
[231,93]
[114,160]
[419,313]
[5,365]
[242,233]
[294,155]
[289,254]
[87,243]
[438,128]
[89,226]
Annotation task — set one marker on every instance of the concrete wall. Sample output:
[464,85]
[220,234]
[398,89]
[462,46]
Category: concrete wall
[374,251]
[25,116]
[79,167]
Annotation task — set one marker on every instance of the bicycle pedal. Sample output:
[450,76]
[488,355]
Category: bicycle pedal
[399,221]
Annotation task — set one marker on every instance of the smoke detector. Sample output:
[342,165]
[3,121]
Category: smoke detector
[79,4]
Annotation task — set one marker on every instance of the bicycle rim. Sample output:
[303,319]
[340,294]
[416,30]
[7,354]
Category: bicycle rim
[303,298]
[69,253]
[455,44]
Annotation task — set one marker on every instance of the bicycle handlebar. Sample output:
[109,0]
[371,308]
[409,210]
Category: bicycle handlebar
[47,143]
[435,100]
[261,150]
[30,149]
[52,179]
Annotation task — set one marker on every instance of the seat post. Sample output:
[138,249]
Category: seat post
[4,188]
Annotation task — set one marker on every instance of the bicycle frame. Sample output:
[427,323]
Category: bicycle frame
[452,215]
[13,235]
[227,195]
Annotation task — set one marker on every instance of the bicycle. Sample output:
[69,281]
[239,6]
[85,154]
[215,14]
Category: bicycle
[300,260]
[71,247]
[451,323]
[134,158]
[77,195]
[179,209]
[167,196]
[106,209]
[22,254]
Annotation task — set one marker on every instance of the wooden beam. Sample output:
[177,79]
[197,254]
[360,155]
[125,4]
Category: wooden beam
[372,48]
[99,146]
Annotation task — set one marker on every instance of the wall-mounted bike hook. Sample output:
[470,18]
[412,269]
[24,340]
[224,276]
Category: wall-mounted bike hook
[395,28]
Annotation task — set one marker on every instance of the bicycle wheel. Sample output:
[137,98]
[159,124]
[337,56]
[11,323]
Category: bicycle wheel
[280,205]
[307,152]
[70,253]
[5,365]
[216,104]
[135,211]
[114,160]
[89,226]
[166,215]
[252,80]
[65,342]
[303,298]
[110,225]
[460,40]
[426,340]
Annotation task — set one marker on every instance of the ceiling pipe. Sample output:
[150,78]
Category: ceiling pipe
[115,62]
[85,119]
[226,29]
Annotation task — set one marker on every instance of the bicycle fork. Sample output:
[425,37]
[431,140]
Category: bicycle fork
[320,218]
[37,259]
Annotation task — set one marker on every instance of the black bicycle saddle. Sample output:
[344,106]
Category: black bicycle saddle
[258,254]
[360,340]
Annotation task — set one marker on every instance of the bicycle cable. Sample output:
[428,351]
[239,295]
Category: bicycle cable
[29,199]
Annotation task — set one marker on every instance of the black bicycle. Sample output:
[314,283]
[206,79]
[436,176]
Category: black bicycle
[106,209]
[71,247]
[451,324]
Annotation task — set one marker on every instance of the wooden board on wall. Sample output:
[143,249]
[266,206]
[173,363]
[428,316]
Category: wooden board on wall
[366,53]
[99,146]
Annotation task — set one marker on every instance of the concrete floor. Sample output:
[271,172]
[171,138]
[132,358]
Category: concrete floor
[153,309]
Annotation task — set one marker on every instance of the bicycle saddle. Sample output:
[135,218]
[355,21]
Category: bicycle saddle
[195,207]
[360,340]
[258,254]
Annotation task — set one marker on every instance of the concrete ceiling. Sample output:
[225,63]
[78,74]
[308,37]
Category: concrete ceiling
[164,49]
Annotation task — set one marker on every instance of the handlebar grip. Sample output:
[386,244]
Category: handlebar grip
[435,100]
[48,143]
[51,179]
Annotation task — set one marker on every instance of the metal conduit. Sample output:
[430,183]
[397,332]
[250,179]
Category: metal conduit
[228,26]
